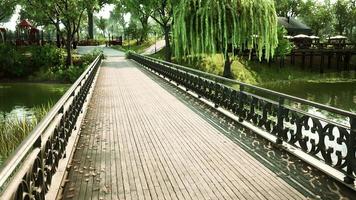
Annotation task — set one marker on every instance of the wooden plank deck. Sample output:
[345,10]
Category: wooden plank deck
[140,141]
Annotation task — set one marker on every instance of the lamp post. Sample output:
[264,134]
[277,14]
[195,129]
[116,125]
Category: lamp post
[155,42]
[129,42]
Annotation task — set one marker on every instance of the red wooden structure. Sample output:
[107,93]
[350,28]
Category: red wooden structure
[27,34]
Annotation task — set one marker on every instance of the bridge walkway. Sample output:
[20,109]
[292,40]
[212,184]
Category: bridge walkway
[142,138]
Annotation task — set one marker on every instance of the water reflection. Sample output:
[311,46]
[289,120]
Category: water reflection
[18,112]
[19,100]
[340,95]
[20,97]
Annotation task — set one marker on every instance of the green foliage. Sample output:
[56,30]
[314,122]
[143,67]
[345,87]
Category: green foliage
[101,23]
[160,11]
[317,16]
[118,14]
[256,73]
[15,129]
[88,58]
[284,46]
[129,52]
[288,8]
[133,30]
[7,8]
[12,62]
[345,18]
[326,18]
[64,74]
[46,56]
[69,74]
[38,63]
[140,11]
[133,46]
[198,29]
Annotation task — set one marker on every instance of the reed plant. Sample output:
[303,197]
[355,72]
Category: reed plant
[14,129]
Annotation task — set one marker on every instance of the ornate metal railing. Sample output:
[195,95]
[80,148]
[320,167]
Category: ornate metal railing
[328,139]
[28,172]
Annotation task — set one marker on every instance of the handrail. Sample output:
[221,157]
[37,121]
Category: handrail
[286,96]
[319,137]
[18,156]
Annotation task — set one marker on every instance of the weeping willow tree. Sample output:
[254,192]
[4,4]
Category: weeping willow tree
[219,26]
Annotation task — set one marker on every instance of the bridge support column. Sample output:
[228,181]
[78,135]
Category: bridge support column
[311,61]
[329,60]
[321,62]
[303,60]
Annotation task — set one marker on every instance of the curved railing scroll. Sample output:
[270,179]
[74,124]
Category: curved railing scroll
[325,138]
[28,172]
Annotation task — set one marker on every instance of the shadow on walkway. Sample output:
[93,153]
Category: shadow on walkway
[303,177]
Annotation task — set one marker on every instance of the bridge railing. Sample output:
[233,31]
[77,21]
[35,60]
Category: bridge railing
[28,172]
[307,125]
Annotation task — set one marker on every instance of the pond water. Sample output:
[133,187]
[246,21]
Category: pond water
[18,100]
[340,94]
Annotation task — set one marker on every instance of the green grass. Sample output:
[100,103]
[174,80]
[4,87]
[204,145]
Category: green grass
[132,46]
[14,131]
[260,73]
[159,54]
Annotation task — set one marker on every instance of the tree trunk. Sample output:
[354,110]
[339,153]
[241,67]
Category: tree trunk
[78,38]
[58,36]
[168,52]
[69,60]
[90,25]
[227,66]
[144,23]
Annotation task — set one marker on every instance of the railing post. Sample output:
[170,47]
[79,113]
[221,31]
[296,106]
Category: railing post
[351,150]
[38,142]
[280,120]
[241,102]
[216,98]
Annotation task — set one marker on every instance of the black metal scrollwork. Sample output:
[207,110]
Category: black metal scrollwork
[330,141]
[41,161]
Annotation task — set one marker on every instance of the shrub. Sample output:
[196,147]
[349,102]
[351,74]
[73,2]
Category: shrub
[12,63]
[46,56]
[86,59]
[42,63]
[284,46]
[69,74]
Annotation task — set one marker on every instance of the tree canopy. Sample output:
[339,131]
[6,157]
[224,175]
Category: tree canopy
[288,8]
[102,24]
[7,8]
[325,18]
[317,16]
[210,26]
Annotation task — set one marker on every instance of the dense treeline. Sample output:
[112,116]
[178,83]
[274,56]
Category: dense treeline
[190,27]
[324,17]
[45,63]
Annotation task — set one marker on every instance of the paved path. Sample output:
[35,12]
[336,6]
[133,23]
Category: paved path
[160,44]
[107,50]
[143,139]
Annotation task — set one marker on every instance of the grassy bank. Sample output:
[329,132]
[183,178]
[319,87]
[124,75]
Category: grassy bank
[261,73]
[14,129]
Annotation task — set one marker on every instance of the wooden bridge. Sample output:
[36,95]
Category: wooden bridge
[141,128]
